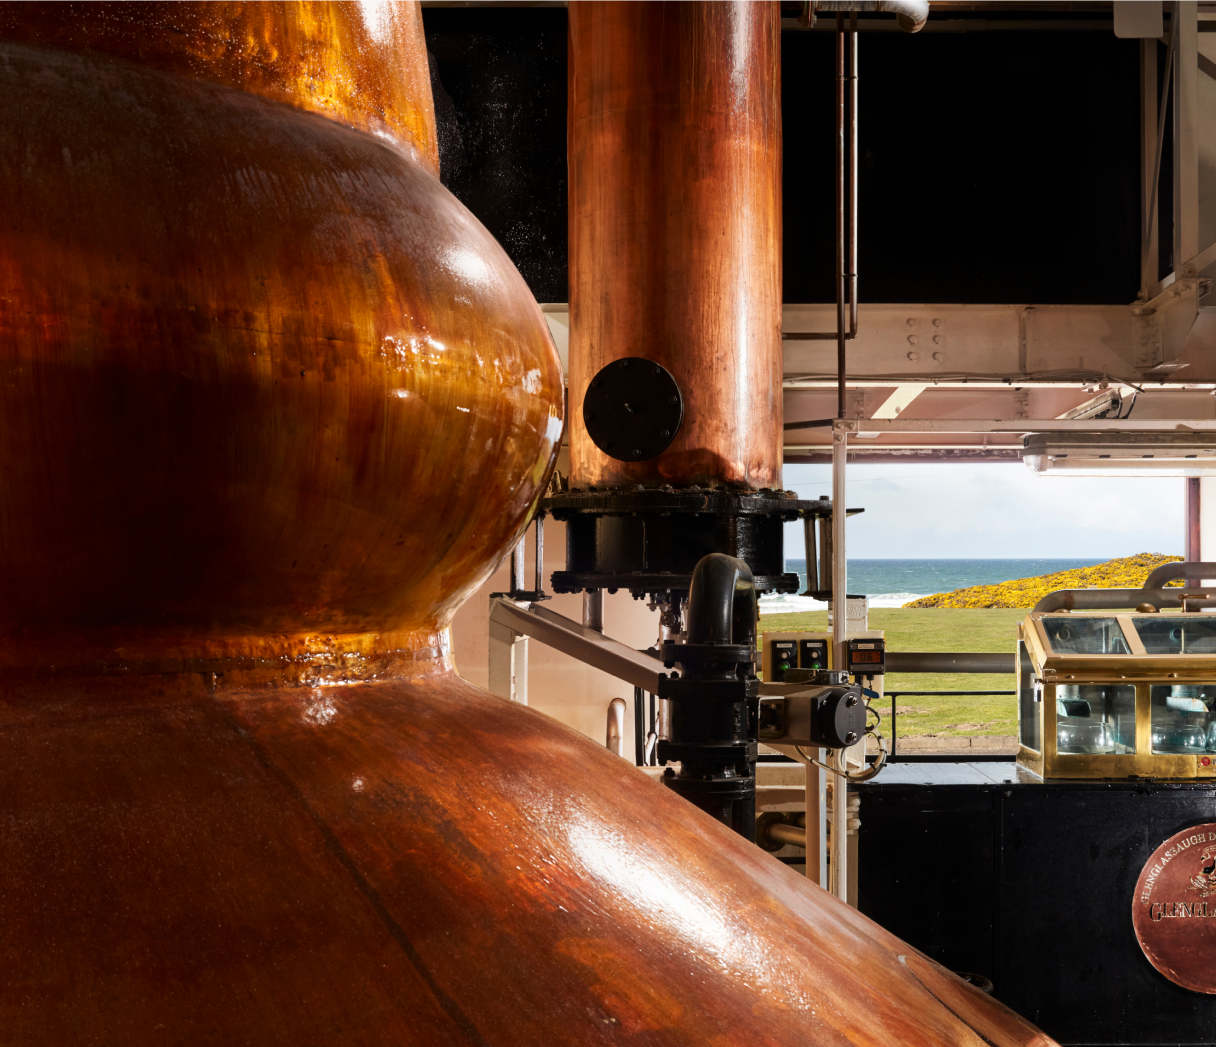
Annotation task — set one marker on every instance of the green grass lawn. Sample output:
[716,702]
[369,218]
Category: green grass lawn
[936,629]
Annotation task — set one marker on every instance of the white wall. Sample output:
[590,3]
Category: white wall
[1207,517]
[558,685]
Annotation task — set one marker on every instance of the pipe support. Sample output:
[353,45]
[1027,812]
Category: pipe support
[910,14]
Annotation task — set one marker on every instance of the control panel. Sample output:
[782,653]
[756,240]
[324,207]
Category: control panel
[867,657]
[812,654]
[785,651]
[783,655]
[800,653]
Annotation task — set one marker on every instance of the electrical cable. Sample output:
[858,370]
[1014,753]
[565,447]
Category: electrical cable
[871,729]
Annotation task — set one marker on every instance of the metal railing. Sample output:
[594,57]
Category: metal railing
[895,695]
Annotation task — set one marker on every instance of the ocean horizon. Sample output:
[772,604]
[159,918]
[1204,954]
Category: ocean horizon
[894,582]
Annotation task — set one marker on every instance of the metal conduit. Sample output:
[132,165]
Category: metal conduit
[911,15]
[783,833]
[1114,599]
[949,662]
[846,212]
[1188,569]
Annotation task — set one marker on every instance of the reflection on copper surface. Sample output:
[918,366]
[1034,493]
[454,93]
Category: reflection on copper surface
[272,405]
[675,228]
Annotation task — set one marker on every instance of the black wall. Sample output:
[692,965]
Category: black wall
[1031,884]
[499,81]
[995,166]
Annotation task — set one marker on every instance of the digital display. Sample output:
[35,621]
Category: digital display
[867,657]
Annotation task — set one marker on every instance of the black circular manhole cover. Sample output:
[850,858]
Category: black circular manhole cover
[633,409]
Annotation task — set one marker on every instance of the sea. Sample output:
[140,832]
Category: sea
[892,583]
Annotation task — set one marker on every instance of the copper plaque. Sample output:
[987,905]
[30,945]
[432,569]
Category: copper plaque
[1174,908]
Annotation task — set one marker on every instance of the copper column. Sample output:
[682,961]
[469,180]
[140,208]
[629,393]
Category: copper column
[675,228]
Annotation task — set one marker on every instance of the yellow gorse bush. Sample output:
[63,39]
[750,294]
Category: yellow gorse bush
[1129,572]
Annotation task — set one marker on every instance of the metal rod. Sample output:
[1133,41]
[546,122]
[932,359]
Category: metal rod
[517,566]
[1186,121]
[839,878]
[539,550]
[841,257]
[639,727]
[949,662]
[928,694]
[1165,97]
[1150,263]
[1192,550]
[812,565]
[852,275]
[849,233]
[784,833]
[825,551]
[593,609]
[931,694]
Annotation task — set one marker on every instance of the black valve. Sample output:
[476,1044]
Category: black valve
[827,717]
[714,699]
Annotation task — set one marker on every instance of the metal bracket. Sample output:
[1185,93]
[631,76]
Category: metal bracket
[1170,316]
[587,645]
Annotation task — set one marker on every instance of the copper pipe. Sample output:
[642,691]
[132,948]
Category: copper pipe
[675,228]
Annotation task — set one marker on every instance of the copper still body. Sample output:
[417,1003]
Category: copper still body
[675,229]
[273,403]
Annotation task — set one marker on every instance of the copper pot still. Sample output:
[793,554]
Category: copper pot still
[272,404]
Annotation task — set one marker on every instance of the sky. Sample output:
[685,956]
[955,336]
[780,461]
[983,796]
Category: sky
[938,510]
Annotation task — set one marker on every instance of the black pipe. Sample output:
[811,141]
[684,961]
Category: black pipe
[722,603]
[714,704]
[948,662]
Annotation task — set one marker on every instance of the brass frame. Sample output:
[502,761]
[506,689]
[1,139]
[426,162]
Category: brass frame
[1139,669]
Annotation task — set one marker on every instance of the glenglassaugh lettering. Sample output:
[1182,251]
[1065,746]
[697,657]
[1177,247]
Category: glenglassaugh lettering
[1147,892]
[1172,902]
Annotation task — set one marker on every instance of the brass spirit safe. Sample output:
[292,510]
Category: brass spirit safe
[1107,695]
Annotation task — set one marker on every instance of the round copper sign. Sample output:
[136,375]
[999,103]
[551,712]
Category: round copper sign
[1174,909]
